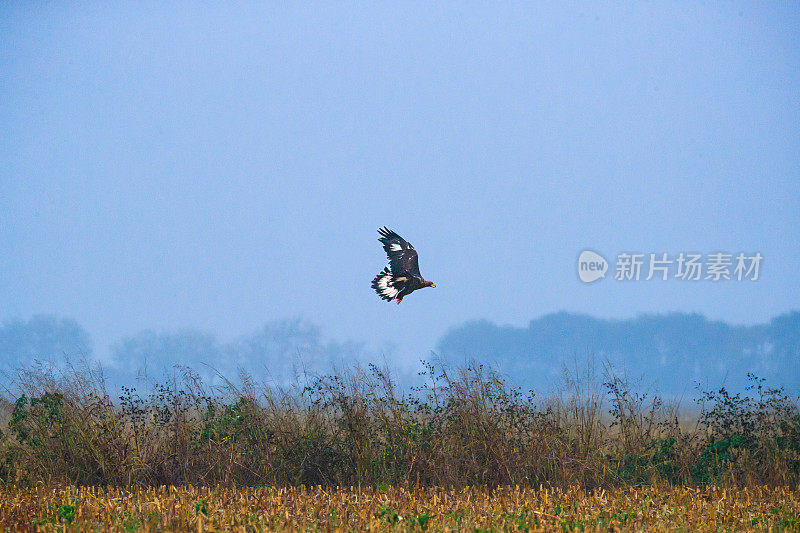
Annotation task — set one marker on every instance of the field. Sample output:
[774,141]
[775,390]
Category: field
[433,509]
[460,451]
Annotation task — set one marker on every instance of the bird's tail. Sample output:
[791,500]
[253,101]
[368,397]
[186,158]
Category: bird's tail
[383,285]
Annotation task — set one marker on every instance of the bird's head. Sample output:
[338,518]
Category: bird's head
[430,284]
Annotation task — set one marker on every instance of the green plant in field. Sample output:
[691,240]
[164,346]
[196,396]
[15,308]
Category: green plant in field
[784,519]
[715,459]
[788,441]
[153,517]
[66,513]
[130,522]
[388,514]
[423,519]
[665,458]
[658,460]
[458,516]
[33,421]
[232,420]
[201,507]
[571,524]
[620,516]
[518,520]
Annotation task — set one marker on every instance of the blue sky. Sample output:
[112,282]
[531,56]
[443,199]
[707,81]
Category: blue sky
[167,167]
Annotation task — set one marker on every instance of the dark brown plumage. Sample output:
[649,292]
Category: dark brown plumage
[402,276]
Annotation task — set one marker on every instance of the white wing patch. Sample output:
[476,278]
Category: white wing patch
[384,286]
[395,247]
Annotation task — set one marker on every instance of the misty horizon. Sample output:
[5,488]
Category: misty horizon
[671,353]
[218,169]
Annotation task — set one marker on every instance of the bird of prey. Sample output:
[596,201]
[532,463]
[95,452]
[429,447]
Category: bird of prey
[402,276]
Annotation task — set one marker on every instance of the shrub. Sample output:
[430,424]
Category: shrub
[357,428]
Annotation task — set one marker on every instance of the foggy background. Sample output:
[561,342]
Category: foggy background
[184,185]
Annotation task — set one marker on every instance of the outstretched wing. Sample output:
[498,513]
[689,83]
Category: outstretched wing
[403,257]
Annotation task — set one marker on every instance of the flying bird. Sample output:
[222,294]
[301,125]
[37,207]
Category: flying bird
[402,276]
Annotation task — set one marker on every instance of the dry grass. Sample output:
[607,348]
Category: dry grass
[435,509]
[457,429]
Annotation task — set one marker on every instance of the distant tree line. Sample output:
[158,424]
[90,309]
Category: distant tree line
[670,352]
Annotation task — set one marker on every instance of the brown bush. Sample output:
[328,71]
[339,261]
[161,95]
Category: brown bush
[357,428]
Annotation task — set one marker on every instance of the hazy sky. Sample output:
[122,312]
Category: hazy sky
[164,166]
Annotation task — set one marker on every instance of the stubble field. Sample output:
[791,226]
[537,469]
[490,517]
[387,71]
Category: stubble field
[188,508]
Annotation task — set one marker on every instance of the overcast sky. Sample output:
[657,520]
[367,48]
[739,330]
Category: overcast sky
[164,166]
